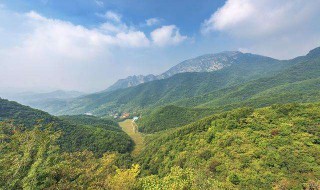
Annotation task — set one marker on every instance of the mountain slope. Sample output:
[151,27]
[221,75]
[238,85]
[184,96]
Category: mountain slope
[131,81]
[170,117]
[295,84]
[299,83]
[265,148]
[99,136]
[204,63]
[179,86]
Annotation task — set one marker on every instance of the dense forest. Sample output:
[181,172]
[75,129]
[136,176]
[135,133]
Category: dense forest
[78,132]
[170,117]
[273,147]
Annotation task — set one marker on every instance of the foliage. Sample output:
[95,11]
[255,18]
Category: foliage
[299,83]
[92,121]
[170,117]
[243,148]
[32,160]
[274,147]
[78,132]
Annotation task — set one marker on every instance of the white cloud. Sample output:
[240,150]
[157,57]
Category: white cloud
[37,52]
[152,21]
[269,26]
[261,17]
[133,39]
[113,16]
[111,28]
[51,53]
[167,35]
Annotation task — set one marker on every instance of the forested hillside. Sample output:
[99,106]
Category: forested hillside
[78,133]
[33,159]
[170,117]
[274,147]
[299,83]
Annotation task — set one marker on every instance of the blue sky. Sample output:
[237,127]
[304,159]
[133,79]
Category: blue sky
[187,14]
[87,45]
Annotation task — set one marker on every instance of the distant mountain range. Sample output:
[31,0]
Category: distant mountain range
[204,63]
[242,79]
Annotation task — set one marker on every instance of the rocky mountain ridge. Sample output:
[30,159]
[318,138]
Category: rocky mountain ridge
[204,63]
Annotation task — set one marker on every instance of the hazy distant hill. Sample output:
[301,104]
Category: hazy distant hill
[42,100]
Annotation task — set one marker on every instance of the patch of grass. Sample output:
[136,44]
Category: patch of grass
[131,129]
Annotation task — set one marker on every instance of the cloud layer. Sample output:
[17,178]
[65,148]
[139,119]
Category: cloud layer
[272,22]
[40,52]
[252,17]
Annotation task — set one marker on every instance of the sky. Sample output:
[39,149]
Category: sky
[87,45]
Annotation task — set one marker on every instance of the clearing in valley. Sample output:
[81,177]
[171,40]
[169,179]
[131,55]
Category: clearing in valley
[131,129]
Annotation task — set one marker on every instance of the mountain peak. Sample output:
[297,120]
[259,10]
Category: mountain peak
[204,63]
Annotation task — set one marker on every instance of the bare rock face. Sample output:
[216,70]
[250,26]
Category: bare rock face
[205,63]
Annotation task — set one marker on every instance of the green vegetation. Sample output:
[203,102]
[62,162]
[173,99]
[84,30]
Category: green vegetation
[299,83]
[275,147]
[265,148]
[78,132]
[33,160]
[92,121]
[170,117]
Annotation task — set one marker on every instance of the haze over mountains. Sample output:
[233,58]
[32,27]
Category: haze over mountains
[41,100]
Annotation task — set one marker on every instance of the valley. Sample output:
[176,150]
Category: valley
[131,129]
